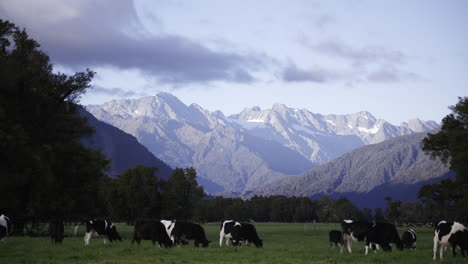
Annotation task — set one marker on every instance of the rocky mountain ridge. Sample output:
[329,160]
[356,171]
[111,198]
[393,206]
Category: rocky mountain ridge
[246,150]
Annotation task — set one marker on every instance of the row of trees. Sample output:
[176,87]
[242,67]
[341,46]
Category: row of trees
[137,193]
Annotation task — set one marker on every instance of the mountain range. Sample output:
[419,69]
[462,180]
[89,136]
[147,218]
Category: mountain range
[250,149]
[396,167]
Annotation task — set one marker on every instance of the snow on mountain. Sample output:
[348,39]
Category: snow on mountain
[248,149]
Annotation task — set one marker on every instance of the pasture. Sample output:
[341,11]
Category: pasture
[283,243]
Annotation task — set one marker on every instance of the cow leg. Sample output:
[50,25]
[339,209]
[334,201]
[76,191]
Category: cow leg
[105,240]
[87,238]
[221,236]
[454,250]
[436,242]
[348,245]
[332,245]
[367,248]
[341,248]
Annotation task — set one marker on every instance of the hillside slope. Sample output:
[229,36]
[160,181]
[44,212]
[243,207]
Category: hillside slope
[123,149]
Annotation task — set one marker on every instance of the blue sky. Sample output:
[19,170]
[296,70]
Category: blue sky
[398,60]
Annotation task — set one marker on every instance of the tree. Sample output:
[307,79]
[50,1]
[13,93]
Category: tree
[378,215]
[393,212]
[182,194]
[366,214]
[450,144]
[441,198]
[45,171]
[345,209]
[325,210]
[135,193]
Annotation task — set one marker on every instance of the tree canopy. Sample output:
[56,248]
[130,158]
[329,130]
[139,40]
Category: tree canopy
[182,194]
[135,193]
[450,144]
[45,171]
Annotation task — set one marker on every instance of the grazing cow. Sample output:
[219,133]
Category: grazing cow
[231,231]
[184,231]
[383,234]
[443,232]
[336,239]
[235,232]
[460,239]
[103,228]
[151,230]
[354,231]
[409,239]
[375,234]
[6,227]
[56,230]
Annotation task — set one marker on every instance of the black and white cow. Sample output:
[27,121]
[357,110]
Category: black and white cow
[336,239]
[374,234]
[235,233]
[103,228]
[443,232]
[185,231]
[151,230]
[460,239]
[409,238]
[231,232]
[6,227]
[56,230]
[383,234]
[354,231]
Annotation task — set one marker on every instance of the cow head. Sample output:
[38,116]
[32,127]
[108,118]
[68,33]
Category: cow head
[206,243]
[167,243]
[236,234]
[258,243]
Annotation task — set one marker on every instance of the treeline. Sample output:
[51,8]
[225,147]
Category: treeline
[138,193]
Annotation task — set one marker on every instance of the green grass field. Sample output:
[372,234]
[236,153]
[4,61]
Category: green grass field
[283,243]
